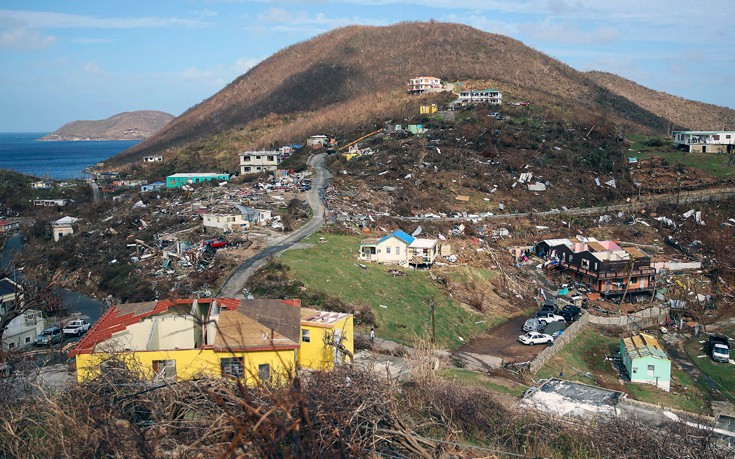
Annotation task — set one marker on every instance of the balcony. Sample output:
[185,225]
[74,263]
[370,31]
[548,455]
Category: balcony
[646,271]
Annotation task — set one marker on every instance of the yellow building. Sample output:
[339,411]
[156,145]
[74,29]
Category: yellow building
[254,340]
[427,109]
[326,339]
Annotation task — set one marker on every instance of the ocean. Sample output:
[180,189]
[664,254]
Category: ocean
[60,160]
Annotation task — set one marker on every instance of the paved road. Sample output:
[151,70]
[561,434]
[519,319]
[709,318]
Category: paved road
[315,198]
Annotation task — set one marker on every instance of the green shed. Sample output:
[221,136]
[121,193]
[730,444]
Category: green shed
[646,361]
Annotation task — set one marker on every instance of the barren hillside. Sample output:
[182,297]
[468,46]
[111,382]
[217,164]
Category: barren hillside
[356,76]
[681,113]
[137,125]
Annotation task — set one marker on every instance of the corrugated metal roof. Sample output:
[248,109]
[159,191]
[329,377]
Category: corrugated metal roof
[643,345]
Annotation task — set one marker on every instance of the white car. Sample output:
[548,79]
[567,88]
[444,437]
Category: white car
[548,317]
[535,338]
[76,328]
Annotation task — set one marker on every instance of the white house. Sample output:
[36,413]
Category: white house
[705,141]
[489,96]
[42,185]
[399,248]
[51,202]
[23,329]
[239,219]
[317,141]
[152,159]
[423,84]
[259,161]
[63,227]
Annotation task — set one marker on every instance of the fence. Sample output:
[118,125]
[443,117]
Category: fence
[650,317]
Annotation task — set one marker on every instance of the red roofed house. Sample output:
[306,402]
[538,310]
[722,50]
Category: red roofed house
[254,340]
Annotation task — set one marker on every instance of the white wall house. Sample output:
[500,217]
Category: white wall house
[152,159]
[51,202]
[422,84]
[63,227]
[399,248]
[705,141]
[22,330]
[239,219]
[252,162]
[489,96]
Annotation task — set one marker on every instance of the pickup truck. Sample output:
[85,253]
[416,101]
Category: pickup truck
[548,316]
[76,327]
[719,348]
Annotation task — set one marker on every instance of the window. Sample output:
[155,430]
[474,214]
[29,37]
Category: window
[271,158]
[387,250]
[246,159]
[651,369]
[585,264]
[306,336]
[715,137]
[164,368]
[264,372]
[727,136]
[232,366]
[11,346]
[635,369]
[398,250]
[633,280]
[28,339]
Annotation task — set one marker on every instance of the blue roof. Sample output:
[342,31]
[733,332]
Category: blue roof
[407,238]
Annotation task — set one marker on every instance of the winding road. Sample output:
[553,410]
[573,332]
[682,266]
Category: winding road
[233,287]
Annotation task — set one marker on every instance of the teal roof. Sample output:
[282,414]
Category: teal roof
[407,238]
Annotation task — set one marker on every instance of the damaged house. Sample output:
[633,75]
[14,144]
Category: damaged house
[237,218]
[399,248]
[645,361]
[603,266]
[251,340]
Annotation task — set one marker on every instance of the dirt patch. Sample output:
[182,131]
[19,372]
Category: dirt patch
[503,342]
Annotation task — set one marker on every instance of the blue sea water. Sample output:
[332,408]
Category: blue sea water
[22,152]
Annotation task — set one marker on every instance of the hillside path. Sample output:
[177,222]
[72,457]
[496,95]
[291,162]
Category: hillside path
[232,288]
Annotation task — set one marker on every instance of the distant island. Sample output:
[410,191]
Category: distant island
[137,125]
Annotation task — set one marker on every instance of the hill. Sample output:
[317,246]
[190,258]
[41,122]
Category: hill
[350,78]
[137,125]
[679,112]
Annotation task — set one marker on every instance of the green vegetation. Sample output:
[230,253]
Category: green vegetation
[405,313]
[721,373]
[476,379]
[586,355]
[712,163]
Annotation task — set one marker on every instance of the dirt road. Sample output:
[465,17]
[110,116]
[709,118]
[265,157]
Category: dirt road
[503,342]
[232,288]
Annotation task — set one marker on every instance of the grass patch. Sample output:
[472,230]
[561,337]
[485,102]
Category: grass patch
[711,163]
[331,267]
[586,355]
[477,379]
[722,373]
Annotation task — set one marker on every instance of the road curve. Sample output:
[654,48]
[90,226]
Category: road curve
[232,288]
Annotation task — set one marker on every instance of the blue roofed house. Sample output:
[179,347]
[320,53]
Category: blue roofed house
[399,248]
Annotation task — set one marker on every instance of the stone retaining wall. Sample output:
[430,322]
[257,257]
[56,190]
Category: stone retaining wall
[569,334]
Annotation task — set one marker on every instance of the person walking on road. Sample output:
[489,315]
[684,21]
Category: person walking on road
[372,336]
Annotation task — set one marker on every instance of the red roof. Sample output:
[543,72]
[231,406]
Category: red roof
[120,317]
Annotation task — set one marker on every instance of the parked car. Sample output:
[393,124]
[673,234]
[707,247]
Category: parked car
[532,338]
[548,308]
[532,325]
[547,317]
[570,313]
[719,348]
[51,335]
[554,329]
[76,328]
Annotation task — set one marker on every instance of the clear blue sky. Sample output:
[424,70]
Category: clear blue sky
[89,59]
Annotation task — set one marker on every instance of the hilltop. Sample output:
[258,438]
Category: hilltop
[137,125]
[351,78]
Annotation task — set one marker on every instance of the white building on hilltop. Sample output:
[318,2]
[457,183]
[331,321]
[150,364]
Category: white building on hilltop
[423,84]
[705,141]
[252,162]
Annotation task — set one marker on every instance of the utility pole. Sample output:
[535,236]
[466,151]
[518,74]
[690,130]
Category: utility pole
[432,303]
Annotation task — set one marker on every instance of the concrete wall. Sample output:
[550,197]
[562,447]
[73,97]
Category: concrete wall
[650,317]
[569,334]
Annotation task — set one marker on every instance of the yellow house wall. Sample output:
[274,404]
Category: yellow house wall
[192,363]
[314,354]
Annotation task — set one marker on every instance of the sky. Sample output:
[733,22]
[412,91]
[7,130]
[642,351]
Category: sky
[64,60]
